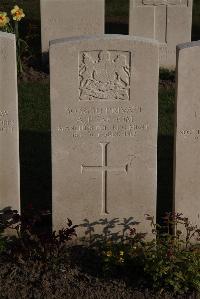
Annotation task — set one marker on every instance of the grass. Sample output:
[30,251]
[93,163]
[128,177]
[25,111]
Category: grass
[34,107]
[117,7]
[35,145]
[166,111]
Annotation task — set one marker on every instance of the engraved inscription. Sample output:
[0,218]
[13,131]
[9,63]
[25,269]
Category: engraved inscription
[6,124]
[104,169]
[3,113]
[104,75]
[103,122]
[190,133]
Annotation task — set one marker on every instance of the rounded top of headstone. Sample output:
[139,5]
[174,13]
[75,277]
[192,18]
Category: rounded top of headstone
[7,35]
[188,45]
[78,39]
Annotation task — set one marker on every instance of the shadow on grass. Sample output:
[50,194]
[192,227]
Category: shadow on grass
[36,182]
[165,176]
[116,28]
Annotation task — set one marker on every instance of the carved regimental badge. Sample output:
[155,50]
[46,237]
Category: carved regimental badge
[104,75]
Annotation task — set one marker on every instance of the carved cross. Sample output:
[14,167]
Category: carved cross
[157,4]
[104,169]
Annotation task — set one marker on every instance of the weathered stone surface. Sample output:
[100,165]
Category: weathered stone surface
[104,98]
[168,21]
[187,145]
[66,18]
[9,138]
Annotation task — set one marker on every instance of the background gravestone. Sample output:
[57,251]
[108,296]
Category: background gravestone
[9,136]
[104,101]
[187,147]
[66,18]
[168,21]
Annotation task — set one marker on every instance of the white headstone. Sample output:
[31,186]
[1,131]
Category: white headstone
[187,142]
[104,102]
[168,21]
[9,135]
[66,18]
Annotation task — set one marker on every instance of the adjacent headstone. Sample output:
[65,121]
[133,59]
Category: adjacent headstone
[104,102]
[66,18]
[9,136]
[168,21]
[187,145]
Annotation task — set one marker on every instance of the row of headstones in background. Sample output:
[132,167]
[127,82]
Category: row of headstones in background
[66,18]
[9,132]
[168,21]
[104,127]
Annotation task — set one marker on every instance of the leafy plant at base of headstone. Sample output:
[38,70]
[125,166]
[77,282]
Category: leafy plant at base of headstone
[2,241]
[8,218]
[168,263]
[171,261]
[30,243]
[6,25]
[120,254]
[117,258]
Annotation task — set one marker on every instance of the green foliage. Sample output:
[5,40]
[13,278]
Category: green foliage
[170,260]
[124,256]
[2,242]
[7,218]
[27,242]
[178,273]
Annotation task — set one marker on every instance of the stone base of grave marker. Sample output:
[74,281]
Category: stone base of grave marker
[9,136]
[104,100]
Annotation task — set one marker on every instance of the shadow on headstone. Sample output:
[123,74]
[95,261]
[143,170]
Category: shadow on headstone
[100,234]
[106,229]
